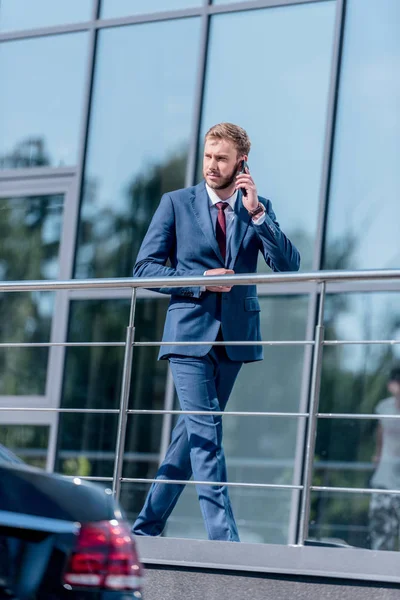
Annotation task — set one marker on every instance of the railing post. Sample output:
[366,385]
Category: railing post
[312,421]
[124,399]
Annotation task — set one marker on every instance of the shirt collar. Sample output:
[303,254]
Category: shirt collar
[214,198]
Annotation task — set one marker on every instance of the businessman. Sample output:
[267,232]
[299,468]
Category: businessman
[214,228]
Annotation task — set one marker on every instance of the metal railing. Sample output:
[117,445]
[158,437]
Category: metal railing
[319,279]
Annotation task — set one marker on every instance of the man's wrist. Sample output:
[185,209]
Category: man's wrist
[257,212]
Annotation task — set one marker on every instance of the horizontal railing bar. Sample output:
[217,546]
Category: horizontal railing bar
[355,416]
[227,483]
[59,410]
[358,342]
[50,344]
[152,412]
[199,343]
[107,455]
[117,344]
[194,412]
[88,477]
[160,282]
[346,490]
[215,413]
[230,343]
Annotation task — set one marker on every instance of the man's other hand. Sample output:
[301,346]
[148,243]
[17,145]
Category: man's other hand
[215,273]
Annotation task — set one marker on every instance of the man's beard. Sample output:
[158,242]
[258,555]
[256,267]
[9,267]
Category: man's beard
[227,180]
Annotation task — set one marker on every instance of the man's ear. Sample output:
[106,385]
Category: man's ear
[241,159]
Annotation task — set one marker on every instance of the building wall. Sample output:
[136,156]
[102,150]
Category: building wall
[103,108]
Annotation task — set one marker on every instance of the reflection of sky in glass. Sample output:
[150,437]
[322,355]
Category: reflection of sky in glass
[44,302]
[225,1]
[23,14]
[125,8]
[276,86]
[143,103]
[365,192]
[42,92]
[365,316]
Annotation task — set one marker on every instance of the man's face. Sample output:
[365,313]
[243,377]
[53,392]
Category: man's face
[220,163]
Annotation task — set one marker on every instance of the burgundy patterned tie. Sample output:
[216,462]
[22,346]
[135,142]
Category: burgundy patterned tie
[220,231]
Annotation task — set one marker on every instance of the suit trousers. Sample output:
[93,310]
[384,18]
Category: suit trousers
[203,384]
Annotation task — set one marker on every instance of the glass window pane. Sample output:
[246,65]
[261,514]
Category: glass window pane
[27,14]
[133,495]
[139,136]
[340,519]
[262,515]
[260,449]
[28,442]
[41,104]
[93,377]
[366,176]
[125,8]
[30,233]
[25,318]
[225,1]
[358,453]
[278,93]
[354,376]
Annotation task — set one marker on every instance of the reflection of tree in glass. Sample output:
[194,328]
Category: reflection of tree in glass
[29,232]
[109,238]
[30,152]
[29,442]
[349,388]
[92,379]
[338,256]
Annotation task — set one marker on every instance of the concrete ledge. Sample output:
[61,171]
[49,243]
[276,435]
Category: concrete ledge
[344,563]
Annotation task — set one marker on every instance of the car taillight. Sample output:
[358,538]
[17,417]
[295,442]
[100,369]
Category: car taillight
[104,557]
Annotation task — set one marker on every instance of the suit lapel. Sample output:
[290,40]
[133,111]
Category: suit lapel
[240,226]
[200,203]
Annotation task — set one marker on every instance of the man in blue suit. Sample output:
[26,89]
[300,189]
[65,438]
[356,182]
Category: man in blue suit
[217,227]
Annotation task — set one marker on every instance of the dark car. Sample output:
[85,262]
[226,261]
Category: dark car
[62,538]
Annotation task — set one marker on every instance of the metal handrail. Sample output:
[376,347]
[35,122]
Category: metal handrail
[319,278]
[159,282]
[282,486]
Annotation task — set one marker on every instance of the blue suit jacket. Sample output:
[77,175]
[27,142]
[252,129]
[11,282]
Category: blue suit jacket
[182,231]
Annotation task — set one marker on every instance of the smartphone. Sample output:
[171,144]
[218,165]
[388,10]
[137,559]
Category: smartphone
[243,170]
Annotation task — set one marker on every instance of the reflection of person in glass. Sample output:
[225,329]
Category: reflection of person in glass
[384,514]
[213,228]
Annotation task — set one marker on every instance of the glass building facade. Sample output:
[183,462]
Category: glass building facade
[103,108]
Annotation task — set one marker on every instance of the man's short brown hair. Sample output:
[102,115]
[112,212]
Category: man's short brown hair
[234,133]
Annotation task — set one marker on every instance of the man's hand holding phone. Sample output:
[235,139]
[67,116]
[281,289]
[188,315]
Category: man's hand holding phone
[215,273]
[245,181]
